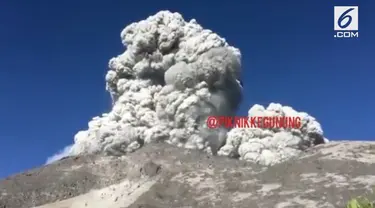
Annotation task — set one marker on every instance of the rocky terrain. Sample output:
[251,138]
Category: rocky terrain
[164,176]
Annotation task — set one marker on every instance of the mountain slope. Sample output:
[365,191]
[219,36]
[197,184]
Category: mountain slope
[161,175]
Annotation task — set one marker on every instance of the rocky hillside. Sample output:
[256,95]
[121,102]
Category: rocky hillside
[164,176]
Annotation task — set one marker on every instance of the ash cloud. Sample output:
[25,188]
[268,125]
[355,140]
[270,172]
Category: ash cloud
[273,145]
[171,77]
[59,155]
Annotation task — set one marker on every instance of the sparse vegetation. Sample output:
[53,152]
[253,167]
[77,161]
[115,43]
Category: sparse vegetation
[360,202]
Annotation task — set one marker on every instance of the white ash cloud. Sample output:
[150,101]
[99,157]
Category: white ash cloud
[273,145]
[171,77]
[59,155]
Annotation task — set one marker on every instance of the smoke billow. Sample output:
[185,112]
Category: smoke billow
[273,145]
[171,77]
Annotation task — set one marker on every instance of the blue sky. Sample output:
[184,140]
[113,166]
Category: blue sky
[54,55]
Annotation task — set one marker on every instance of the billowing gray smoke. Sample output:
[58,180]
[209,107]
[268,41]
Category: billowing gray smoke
[172,76]
[273,145]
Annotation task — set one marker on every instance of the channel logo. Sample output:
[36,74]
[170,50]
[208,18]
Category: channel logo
[346,22]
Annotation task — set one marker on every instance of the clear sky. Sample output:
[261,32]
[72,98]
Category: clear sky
[54,55]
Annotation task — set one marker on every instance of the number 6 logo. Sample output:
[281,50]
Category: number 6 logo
[344,16]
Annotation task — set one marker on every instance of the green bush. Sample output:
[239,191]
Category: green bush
[360,202]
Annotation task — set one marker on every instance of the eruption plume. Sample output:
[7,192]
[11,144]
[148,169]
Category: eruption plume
[171,77]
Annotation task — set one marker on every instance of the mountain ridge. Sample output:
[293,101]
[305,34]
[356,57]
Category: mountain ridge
[162,175]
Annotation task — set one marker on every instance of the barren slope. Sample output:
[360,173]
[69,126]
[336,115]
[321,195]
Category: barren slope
[164,176]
